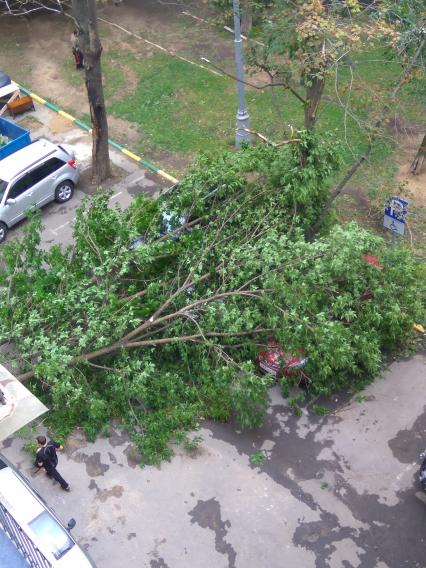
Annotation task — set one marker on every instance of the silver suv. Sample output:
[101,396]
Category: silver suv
[33,176]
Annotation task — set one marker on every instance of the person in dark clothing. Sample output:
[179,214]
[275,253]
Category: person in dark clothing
[46,457]
[76,50]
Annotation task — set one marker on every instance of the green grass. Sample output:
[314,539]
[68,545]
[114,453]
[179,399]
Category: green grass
[176,105]
[114,76]
[182,109]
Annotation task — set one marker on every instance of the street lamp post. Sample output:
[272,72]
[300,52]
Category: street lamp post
[242,114]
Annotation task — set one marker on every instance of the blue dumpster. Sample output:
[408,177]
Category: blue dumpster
[17,137]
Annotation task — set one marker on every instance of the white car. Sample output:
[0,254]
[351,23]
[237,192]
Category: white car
[35,531]
[32,177]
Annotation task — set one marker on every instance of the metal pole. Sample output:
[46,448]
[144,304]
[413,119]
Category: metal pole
[242,113]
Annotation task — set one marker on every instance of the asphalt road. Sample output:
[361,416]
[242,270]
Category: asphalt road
[338,491]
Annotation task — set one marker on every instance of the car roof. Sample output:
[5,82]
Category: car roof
[16,496]
[20,160]
[24,504]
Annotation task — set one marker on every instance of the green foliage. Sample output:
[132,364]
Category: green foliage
[294,403]
[320,410]
[158,337]
[28,435]
[257,458]
[191,445]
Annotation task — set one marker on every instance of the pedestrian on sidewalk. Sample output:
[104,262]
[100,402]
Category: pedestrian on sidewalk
[46,457]
[76,50]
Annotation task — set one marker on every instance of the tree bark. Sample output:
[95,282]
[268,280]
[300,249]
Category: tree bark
[246,16]
[84,12]
[314,91]
[417,164]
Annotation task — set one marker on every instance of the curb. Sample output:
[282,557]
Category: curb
[112,143]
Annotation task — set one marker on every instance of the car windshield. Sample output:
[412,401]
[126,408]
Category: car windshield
[53,536]
[3,185]
[170,222]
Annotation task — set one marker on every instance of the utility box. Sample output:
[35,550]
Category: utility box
[12,137]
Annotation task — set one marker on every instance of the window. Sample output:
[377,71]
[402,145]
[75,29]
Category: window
[51,534]
[45,169]
[20,186]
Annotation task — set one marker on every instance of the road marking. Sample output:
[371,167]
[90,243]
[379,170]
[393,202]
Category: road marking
[420,495]
[407,468]
[61,226]
[116,195]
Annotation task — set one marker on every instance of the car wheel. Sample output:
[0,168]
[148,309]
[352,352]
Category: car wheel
[64,191]
[3,231]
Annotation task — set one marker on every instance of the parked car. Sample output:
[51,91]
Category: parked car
[422,472]
[35,530]
[171,222]
[32,177]
[278,362]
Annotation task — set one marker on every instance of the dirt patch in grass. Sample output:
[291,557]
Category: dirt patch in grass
[405,154]
[59,124]
[29,122]
[128,134]
[90,188]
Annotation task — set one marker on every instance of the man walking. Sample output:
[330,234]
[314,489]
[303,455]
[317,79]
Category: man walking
[46,457]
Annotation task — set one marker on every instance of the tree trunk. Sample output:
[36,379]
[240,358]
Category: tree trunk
[84,12]
[314,91]
[246,16]
[417,164]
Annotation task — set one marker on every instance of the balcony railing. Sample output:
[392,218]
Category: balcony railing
[23,543]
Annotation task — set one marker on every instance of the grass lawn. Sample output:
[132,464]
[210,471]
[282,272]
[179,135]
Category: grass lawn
[180,109]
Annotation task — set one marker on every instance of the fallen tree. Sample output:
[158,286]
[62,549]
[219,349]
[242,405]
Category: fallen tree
[161,334]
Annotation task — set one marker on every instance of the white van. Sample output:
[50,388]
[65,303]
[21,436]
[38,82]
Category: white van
[32,526]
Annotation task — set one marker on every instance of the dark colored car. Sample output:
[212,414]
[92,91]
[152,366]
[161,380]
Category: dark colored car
[278,362]
[422,472]
[170,222]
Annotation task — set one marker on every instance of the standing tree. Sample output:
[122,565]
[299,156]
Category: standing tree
[303,43]
[84,12]
[410,18]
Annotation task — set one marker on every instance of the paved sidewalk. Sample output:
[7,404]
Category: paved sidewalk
[334,492]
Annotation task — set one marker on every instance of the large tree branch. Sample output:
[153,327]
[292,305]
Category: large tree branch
[150,343]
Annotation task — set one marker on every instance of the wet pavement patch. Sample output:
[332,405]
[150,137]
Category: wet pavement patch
[158,563]
[117,437]
[134,457]
[409,442]
[207,514]
[104,494]
[93,464]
